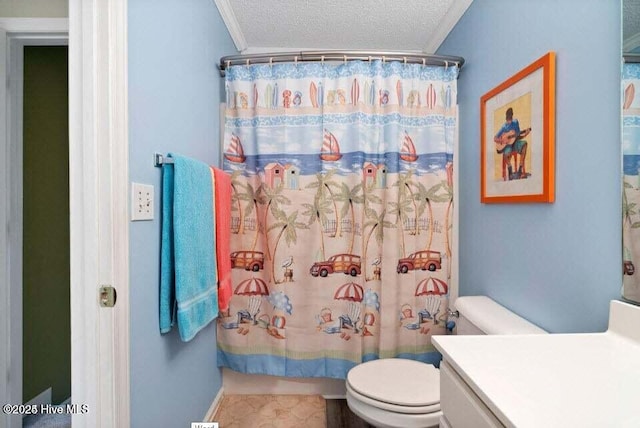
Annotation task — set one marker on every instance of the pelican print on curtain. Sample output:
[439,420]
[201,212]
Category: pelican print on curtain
[631,181]
[342,214]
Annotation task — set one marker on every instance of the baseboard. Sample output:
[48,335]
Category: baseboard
[334,397]
[214,406]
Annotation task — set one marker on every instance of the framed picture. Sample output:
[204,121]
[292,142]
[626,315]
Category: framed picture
[517,127]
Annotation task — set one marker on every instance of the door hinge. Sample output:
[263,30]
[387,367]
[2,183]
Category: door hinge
[107,296]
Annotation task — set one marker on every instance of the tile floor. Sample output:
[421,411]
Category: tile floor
[272,411]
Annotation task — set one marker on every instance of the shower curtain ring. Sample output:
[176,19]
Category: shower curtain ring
[424,62]
[247,62]
[228,63]
[405,60]
[322,59]
[271,62]
[384,59]
[446,65]
[345,59]
[295,59]
[369,59]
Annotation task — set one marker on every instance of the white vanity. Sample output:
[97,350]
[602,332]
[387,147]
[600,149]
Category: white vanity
[550,380]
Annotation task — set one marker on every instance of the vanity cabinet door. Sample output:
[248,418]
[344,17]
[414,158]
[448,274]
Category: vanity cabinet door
[462,408]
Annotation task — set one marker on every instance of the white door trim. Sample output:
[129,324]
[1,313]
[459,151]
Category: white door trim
[35,25]
[11,238]
[98,174]
[5,274]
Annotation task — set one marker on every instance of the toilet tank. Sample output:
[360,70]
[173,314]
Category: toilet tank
[481,315]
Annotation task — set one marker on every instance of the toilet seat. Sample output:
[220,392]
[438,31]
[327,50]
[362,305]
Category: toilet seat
[409,410]
[397,381]
[395,392]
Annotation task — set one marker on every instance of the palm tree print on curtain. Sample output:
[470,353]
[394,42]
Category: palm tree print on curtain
[341,216]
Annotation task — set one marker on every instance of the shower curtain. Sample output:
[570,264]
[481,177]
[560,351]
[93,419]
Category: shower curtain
[342,214]
[631,181]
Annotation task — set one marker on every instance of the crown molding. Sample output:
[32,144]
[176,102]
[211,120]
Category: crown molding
[230,20]
[450,19]
[631,43]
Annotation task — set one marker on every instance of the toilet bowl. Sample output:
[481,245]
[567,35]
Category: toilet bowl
[395,392]
[400,393]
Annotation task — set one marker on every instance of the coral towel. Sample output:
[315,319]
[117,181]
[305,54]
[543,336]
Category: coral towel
[223,237]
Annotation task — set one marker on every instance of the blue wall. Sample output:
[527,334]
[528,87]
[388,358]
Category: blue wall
[174,94]
[558,264]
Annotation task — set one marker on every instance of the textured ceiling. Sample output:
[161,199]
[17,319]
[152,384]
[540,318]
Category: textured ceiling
[388,25]
[631,22]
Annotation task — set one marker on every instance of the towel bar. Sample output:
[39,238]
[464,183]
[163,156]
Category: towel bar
[159,159]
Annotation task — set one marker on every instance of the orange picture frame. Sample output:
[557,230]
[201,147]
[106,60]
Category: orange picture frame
[517,128]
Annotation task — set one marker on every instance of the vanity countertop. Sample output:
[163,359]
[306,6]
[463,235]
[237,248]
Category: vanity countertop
[563,380]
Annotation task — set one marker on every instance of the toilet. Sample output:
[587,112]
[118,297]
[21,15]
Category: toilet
[401,393]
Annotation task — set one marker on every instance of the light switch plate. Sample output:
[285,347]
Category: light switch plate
[141,202]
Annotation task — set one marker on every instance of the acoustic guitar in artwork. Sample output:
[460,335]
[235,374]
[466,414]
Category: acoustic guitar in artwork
[510,137]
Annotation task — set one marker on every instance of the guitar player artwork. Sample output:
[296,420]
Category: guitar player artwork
[512,155]
[518,136]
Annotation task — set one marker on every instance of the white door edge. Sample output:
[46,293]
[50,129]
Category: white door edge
[98,174]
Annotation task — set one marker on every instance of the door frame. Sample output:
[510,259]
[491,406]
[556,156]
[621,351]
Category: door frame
[99,234]
[12,164]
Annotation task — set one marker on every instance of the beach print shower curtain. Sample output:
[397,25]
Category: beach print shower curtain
[342,214]
[631,181]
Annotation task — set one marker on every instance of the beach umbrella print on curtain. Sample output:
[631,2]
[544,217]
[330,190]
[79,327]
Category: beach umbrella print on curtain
[433,288]
[349,291]
[255,288]
[353,293]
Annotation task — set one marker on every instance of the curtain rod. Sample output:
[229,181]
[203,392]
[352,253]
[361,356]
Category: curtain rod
[631,58]
[335,55]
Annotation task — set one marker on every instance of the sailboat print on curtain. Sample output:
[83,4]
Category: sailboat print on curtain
[342,214]
[235,152]
[408,149]
[330,148]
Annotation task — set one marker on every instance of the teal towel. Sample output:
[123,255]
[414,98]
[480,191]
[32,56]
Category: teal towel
[188,283]
[167,272]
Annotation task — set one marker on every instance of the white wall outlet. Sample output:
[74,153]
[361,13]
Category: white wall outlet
[141,202]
